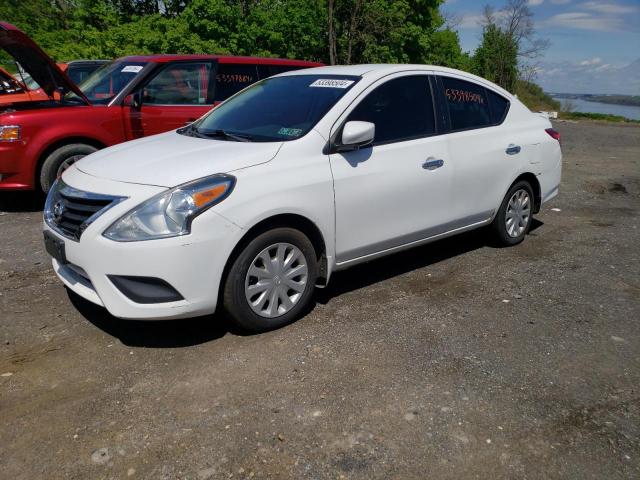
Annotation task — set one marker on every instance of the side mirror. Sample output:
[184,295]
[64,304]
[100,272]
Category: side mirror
[133,100]
[356,135]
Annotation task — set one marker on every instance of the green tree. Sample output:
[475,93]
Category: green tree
[392,31]
[496,58]
[332,31]
[509,45]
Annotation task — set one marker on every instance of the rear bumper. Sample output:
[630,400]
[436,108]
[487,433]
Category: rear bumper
[551,172]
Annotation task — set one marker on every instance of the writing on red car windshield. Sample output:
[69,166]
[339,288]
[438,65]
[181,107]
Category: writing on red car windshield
[456,95]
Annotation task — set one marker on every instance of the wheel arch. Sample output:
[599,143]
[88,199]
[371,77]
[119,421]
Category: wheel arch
[287,220]
[532,180]
[51,147]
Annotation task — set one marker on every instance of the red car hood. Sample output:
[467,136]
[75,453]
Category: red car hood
[35,62]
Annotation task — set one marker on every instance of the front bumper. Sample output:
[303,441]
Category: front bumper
[16,169]
[192,264]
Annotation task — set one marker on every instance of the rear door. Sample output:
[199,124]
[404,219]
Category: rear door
[396,191]
[478,145]
[178,94]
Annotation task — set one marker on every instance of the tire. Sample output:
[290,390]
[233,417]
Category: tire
[263,285]
[59,160]
[519,203]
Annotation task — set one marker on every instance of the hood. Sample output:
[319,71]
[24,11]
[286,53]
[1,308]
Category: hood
[35,62]
[170,159]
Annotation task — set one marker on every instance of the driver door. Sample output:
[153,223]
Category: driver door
[396,191]
[178,94]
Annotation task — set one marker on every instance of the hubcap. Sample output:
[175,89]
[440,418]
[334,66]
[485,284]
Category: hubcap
[518,213]
[67,163]
[276,280]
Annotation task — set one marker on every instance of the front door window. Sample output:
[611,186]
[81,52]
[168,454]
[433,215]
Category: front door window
[179,84]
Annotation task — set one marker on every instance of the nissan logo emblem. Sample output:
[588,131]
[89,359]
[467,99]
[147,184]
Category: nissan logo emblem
[58,210]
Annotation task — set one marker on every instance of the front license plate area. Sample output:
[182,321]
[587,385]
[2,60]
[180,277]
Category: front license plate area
[55,248]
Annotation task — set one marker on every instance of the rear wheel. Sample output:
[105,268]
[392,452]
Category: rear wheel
[271,281]
[513,220]
[61,159]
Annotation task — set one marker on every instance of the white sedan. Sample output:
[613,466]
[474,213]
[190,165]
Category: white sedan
[296,177]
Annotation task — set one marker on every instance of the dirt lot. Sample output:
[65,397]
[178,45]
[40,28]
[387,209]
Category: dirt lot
[455,360]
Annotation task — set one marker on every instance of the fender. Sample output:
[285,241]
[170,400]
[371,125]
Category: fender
[98,126]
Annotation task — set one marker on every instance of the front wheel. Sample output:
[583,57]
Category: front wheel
[271,281]
[513,220]
[61,159]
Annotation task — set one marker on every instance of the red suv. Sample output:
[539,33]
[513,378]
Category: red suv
[129,98]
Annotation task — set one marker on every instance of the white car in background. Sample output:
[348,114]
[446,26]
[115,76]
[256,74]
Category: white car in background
[292,179]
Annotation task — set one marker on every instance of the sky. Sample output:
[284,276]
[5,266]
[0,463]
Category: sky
[595,44]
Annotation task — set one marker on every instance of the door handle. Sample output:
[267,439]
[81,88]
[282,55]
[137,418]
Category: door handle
[432,163]
[513,149]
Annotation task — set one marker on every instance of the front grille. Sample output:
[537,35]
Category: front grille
[70,211]
[75,212]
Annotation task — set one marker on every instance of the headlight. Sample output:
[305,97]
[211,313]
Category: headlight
[170,213]
[10,133]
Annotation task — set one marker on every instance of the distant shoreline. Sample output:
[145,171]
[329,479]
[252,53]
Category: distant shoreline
[627,100]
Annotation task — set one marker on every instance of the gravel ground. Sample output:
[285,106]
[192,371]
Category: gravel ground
[454,360]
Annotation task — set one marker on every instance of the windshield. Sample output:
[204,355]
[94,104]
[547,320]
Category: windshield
[275,109]
[29,82]
[105,83]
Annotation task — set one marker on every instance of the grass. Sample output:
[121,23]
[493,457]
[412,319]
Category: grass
[595,116]
[534,97]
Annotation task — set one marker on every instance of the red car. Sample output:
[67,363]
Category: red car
[129,98]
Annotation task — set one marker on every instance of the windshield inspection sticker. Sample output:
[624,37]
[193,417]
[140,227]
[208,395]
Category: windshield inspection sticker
[331,83]
[290,132]
[131,69]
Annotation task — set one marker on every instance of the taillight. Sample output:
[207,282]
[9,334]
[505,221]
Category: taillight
[553,133]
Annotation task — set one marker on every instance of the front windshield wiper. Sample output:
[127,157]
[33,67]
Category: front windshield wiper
[219,133]
[189,130]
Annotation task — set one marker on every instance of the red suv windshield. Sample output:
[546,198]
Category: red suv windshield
[105,83]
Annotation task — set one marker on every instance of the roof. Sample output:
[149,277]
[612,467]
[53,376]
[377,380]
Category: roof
[375,71]
[356,70]
[85,61]
[221,58]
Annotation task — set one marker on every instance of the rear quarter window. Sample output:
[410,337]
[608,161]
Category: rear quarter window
[498,105]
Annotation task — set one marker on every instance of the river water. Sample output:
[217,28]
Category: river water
[580,105]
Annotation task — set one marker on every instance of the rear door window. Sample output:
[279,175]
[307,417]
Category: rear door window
[467,104]
[401,109]
[231,78]
[179,84]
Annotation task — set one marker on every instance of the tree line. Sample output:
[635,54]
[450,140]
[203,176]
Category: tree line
[330,31]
